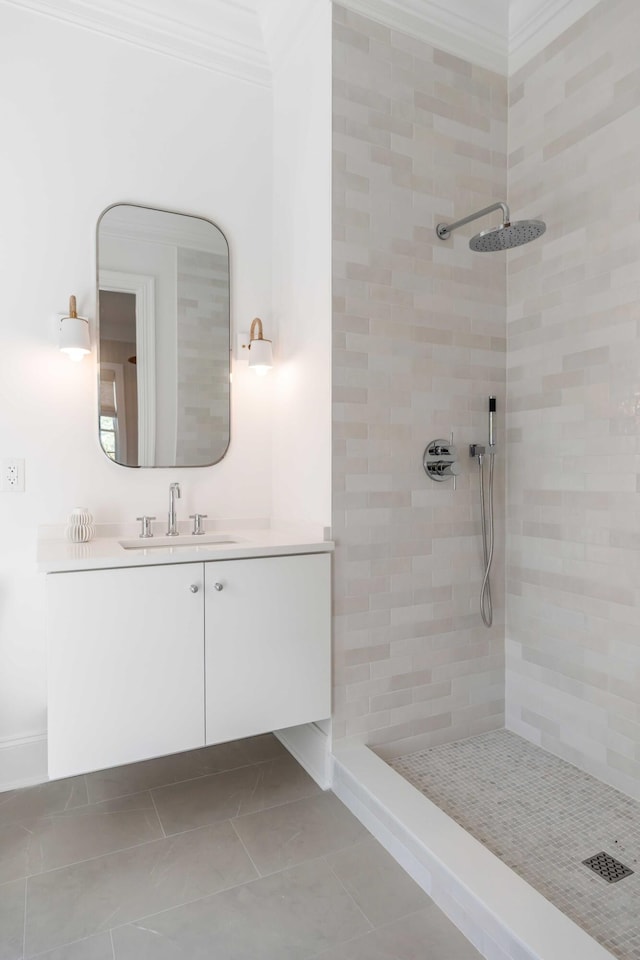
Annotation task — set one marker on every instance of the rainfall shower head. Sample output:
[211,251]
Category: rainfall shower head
[504,237]
[507,235]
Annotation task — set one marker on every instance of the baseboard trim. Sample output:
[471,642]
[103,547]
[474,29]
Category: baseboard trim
[23,762]
[311,748]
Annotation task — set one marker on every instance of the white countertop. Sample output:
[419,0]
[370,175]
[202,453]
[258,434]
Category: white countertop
[57,555]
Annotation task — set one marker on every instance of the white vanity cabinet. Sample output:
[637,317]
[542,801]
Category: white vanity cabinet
[151,660]
[267,644]
[125,665]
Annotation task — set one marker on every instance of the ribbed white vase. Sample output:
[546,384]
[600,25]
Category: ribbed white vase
[80,526]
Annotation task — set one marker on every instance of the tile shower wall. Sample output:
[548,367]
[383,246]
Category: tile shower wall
[573,648]
[419,344]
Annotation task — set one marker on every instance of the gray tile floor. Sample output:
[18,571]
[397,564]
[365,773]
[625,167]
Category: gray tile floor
[227,853]
[542,817]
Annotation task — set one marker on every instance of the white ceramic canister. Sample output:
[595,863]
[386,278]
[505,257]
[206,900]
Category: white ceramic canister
[80,526]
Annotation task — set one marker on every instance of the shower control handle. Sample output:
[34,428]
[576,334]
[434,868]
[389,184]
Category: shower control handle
[439,461]
[446,450]
[444,468]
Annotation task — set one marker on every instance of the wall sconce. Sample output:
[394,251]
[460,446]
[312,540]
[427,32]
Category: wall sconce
[73,333]
[260,353]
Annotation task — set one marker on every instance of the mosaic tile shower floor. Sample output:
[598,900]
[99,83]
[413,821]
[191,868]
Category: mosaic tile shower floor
[542,817]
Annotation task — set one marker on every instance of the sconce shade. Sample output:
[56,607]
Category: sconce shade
[74,334]
[260,352]
[261,356]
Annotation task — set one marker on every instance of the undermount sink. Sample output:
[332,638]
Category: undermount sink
[183,540]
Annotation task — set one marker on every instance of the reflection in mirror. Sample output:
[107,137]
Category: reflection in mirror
[163,312]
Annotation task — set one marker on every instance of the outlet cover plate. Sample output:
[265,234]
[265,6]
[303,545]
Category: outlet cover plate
[12,475]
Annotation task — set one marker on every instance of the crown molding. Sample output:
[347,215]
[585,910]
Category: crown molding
[223,36]
[282,23]
[534,24]
[249,39]
[501,35]
[456,26]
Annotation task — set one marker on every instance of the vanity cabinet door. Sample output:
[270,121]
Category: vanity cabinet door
[267,644]
[126,665]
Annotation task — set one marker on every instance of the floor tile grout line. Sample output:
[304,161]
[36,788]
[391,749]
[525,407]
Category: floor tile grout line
[159,913]
[349,894]
[52,813]
[274,806]
[136,920]
[388,923]
[153,801]
[251,813]
[72,943]
[109,853]
[349,846]
[207,896]
[175,783]
[173,836]
[61,815]
[246,850]
[293,866]
[86,790]
[121,796]
[165,836]
[125,796]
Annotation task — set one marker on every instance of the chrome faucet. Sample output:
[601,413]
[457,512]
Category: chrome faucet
[174,494]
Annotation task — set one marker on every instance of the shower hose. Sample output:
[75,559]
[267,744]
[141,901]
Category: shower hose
[486,607]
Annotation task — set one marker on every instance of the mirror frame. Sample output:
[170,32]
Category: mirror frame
[179,213]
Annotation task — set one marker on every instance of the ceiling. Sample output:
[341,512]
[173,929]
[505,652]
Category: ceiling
[246,38]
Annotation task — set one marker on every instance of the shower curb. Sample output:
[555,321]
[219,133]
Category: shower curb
[501,914]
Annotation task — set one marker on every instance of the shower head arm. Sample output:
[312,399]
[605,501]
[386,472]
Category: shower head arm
[444,230]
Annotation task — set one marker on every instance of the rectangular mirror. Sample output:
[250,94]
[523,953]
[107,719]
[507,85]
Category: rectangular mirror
[164,338]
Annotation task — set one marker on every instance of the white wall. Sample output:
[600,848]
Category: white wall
[87,121]
[302,269]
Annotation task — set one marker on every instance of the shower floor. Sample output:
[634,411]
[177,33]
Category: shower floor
[542,817]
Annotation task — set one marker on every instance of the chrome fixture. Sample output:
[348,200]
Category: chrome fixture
[478,451]
[218,586]
[197,523]
[439,461]
[492,413]
[174,494]
[146,532]
[193,588]
[504,237]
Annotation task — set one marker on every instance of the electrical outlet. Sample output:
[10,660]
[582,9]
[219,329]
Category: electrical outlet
[12,475]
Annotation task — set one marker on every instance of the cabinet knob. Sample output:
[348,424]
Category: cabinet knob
[218,586]
[193,588]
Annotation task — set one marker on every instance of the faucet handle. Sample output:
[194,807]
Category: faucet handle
[197,523]
[145,533]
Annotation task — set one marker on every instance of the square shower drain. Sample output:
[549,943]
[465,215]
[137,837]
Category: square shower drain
[607,867]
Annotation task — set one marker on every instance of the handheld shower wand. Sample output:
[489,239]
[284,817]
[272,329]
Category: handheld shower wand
[492,412]
[486,605]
